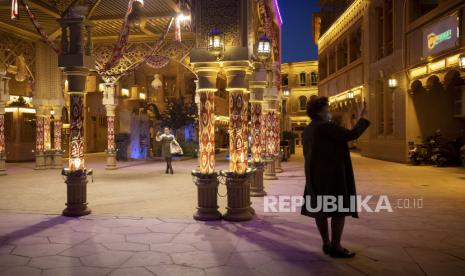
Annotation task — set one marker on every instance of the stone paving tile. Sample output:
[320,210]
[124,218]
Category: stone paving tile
[22,271]
[54,262]
[13,260]
[107,259]
[147,259]
[200,259]
[83,250]
[6,248]
[132,271]
[148,238]
[127,246]
[39,250]
[172,228]
[70,237]
[231,271]
[178,270]
[172,247]
[77,271]
[27,240]
[130,230]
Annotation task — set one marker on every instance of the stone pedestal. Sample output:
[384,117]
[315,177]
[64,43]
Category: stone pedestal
[278,168]
[238,188]
[256,181]
[40,161]
[207,196]
[111,161]
[58,159]
[2,165]
[270,170]
[76,187]
[49,156]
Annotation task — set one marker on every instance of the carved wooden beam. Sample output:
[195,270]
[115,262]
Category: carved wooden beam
[19,31]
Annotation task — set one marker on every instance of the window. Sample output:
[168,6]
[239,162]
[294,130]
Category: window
[332,61]
[356,45]
[302,103]
[342,54]
[379,33]
[314,78]
[322,66]
[28,127]
[419,8]
[384,25]
[285,80]
[380,106]
[303,79]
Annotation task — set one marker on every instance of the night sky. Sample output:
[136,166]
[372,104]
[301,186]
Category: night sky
[297,30]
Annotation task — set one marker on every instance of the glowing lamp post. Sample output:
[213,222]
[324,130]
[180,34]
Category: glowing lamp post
[216,42]
[264,48]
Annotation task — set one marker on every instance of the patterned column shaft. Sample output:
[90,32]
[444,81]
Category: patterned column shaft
[76,160]
[238,102]
[57,128]
[256,118]
[207,132]
[111,145]
[263,134]
[47,134]
[277,136]
[2,134]
[39,134]
[270,134]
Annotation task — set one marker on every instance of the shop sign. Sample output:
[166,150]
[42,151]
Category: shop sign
[441,36]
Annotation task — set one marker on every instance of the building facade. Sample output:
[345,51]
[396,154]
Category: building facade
[300,83]
[395,56]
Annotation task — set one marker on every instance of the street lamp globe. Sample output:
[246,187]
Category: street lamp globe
[264,48]
[392,83]
[216,42]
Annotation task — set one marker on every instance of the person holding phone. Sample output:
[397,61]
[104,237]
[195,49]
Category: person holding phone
[167,139]
[329,173]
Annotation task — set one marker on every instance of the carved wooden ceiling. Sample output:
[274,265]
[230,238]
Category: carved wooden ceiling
[107,15]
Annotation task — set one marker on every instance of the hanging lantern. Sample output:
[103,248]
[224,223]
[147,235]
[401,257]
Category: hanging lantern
[156,83]
[264,48]
[136,18]
[392,83]
[216,42]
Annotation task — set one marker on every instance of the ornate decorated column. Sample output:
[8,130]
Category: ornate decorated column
[57,149]
[110,102]
[205,178]
[257,87]
[4,96]
[270,133]
[40,147]
[237,179]
[76,63]
[48,152]
[277,140]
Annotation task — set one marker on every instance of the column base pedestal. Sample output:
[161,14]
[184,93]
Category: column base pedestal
[207,200]
[76,186]
[270,170]
[40,161]
[58,160]
[256,182]
[278,168]
[111,161]
[2,165]
[239,206]
[49,156]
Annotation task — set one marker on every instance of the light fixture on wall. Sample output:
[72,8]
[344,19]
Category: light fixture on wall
[350,95]
[462,62]
[125,92]
[392,83]
[286,92]
[142,96]
[101,87]
[156,83]
[216,43]
[264,48]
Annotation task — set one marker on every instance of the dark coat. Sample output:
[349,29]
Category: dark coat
[328,167]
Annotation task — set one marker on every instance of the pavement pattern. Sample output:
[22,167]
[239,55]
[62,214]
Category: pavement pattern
[141,225]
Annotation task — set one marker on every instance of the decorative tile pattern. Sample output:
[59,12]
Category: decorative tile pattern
[238,131]
[256,118]
[39,134]
[57,128]
[207,132]
[76,158]
[111,145]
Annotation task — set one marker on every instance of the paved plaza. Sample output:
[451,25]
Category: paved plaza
[141,225]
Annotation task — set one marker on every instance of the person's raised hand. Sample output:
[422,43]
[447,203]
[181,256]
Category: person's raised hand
[364,109]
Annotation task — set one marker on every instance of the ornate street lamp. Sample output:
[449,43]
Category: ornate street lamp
[216,42]
[462,62]
[264,48]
